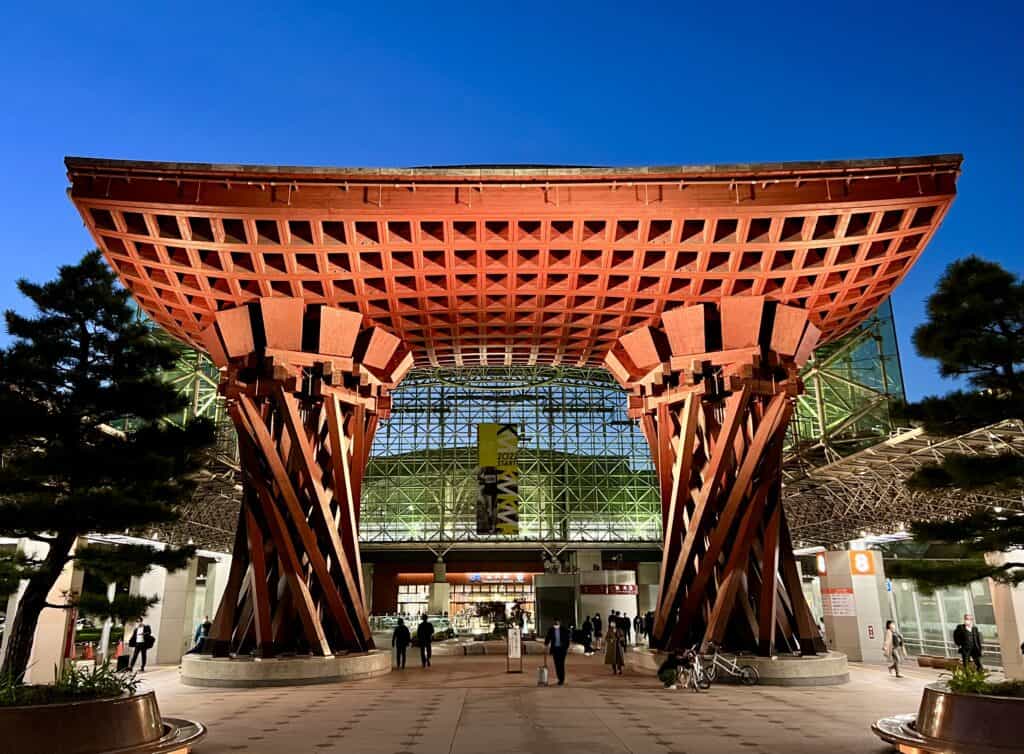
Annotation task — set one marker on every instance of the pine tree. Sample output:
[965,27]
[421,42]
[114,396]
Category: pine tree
[975,329]
[975,535]
[83,448]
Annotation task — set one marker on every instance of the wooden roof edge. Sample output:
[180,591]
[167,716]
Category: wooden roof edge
[808,170]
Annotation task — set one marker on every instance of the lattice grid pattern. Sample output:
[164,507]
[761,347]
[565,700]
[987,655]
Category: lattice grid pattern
[585,471]
[508,274]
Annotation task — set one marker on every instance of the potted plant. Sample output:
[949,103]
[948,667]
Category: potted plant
[98,709]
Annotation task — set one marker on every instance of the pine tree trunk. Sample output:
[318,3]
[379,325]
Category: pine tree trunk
[31,605]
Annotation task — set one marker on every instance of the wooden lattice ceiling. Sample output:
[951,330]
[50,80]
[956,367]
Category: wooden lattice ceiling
[506,265]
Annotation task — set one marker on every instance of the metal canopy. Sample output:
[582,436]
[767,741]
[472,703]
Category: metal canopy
[866,493]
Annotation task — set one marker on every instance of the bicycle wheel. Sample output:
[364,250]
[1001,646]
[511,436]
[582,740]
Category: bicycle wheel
[711,672]
[749,675]
[703,681]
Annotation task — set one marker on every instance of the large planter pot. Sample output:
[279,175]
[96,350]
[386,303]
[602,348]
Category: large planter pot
[129,724]
[957,724]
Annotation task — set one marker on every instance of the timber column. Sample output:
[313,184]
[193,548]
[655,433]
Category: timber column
[306,386]
[713,389]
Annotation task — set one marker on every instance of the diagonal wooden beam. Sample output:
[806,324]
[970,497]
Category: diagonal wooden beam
[224,619]
[736,565]
[680,486]
[247,419]
[297,514]
[306,459]
[775,417]
[736,406]
[260,593]
[769,567]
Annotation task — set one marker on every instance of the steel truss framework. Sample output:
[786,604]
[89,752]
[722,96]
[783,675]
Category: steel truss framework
[865,494]
[585,474]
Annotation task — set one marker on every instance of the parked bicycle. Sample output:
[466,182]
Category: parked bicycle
[717,663]
[692,673]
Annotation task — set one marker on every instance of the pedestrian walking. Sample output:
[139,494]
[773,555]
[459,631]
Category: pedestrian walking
[649,626]
[615,649]
[424,637]
[892,647]
[557,642]
[142,641]
[627,628]
[597,630]
[638,628]
[588,636]
[967,638]
[400,640]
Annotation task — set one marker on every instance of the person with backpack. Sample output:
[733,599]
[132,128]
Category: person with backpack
[142,641]
[400,640]
[892,646]
[424,637]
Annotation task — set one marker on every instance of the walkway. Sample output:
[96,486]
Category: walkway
[466,705]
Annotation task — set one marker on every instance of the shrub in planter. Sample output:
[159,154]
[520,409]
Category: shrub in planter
[74,683]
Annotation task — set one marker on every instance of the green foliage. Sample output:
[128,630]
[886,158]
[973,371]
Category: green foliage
[967,472]
[967,679]
[74,683]
[119,564]
[975,326]
[976,534]
[81,394]
[970,680]
[124,608]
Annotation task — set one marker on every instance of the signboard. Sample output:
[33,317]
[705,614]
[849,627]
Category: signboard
[861,563]
[497,503]
[608,589]
[838,602]
[515,650]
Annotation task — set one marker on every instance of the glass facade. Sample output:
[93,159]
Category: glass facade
[585,473]
[849,387]
[927,621]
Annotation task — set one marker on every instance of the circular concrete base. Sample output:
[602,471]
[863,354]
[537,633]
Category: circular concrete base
[828,669]
[232,672]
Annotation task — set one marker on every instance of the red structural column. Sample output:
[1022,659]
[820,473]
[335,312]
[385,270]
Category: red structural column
[306,385]
[714,389]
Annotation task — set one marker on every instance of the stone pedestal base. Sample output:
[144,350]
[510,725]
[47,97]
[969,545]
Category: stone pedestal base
[223,672]
[826,669]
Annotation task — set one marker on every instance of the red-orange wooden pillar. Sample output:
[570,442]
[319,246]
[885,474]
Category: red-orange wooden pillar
[714,389]
[306,385]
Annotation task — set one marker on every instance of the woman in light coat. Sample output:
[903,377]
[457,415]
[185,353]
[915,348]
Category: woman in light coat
[615,649]
[892,647]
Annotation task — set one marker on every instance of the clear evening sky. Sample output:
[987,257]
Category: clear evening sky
[390,84]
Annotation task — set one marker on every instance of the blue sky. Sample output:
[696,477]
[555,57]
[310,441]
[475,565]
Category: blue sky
[433,83]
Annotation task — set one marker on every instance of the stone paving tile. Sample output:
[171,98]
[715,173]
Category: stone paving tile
[465,705]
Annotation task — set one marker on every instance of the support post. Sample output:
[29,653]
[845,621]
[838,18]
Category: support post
[306,386]
[713,388]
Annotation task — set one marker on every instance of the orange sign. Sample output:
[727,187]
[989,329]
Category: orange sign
[861,563]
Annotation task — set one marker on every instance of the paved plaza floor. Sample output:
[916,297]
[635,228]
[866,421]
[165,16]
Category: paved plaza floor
[465,705]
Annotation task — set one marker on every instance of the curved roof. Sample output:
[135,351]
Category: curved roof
[512,264]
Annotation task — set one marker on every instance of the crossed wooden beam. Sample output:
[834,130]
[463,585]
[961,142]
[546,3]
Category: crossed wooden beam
[713,388]
[306,386]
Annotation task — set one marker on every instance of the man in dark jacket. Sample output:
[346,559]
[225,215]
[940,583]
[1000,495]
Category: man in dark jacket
[588,636]
[424,636]
[648,626]
[557,640]
[400,640]
[598,632]
[967,638]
